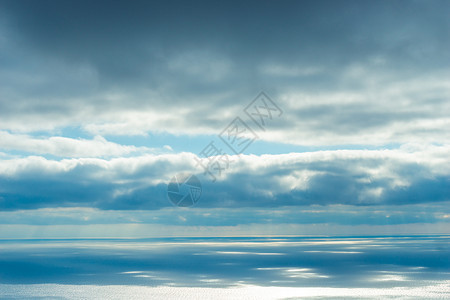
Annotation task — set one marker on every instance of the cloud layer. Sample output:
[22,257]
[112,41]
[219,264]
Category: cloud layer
[128,69]
[353,177]
[101,104]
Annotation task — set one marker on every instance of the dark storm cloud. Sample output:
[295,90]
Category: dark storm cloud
[83,62]
[104,31]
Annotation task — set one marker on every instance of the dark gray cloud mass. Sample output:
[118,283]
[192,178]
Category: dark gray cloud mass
[86,63]
[143,31]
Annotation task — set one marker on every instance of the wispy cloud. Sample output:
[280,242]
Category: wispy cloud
[67,147]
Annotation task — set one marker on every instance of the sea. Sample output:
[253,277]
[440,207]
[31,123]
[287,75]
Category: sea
[293,267]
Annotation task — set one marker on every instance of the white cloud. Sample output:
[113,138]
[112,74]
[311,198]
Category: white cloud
[67,147]
[322,177]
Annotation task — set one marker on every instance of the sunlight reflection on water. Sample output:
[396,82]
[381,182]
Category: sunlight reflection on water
[226,268]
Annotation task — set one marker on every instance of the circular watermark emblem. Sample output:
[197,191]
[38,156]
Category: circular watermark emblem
[184,190]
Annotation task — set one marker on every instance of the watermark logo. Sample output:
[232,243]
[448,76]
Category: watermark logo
[262,110]
[184,190]
[213,161]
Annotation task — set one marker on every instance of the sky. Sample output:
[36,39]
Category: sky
[102,104]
